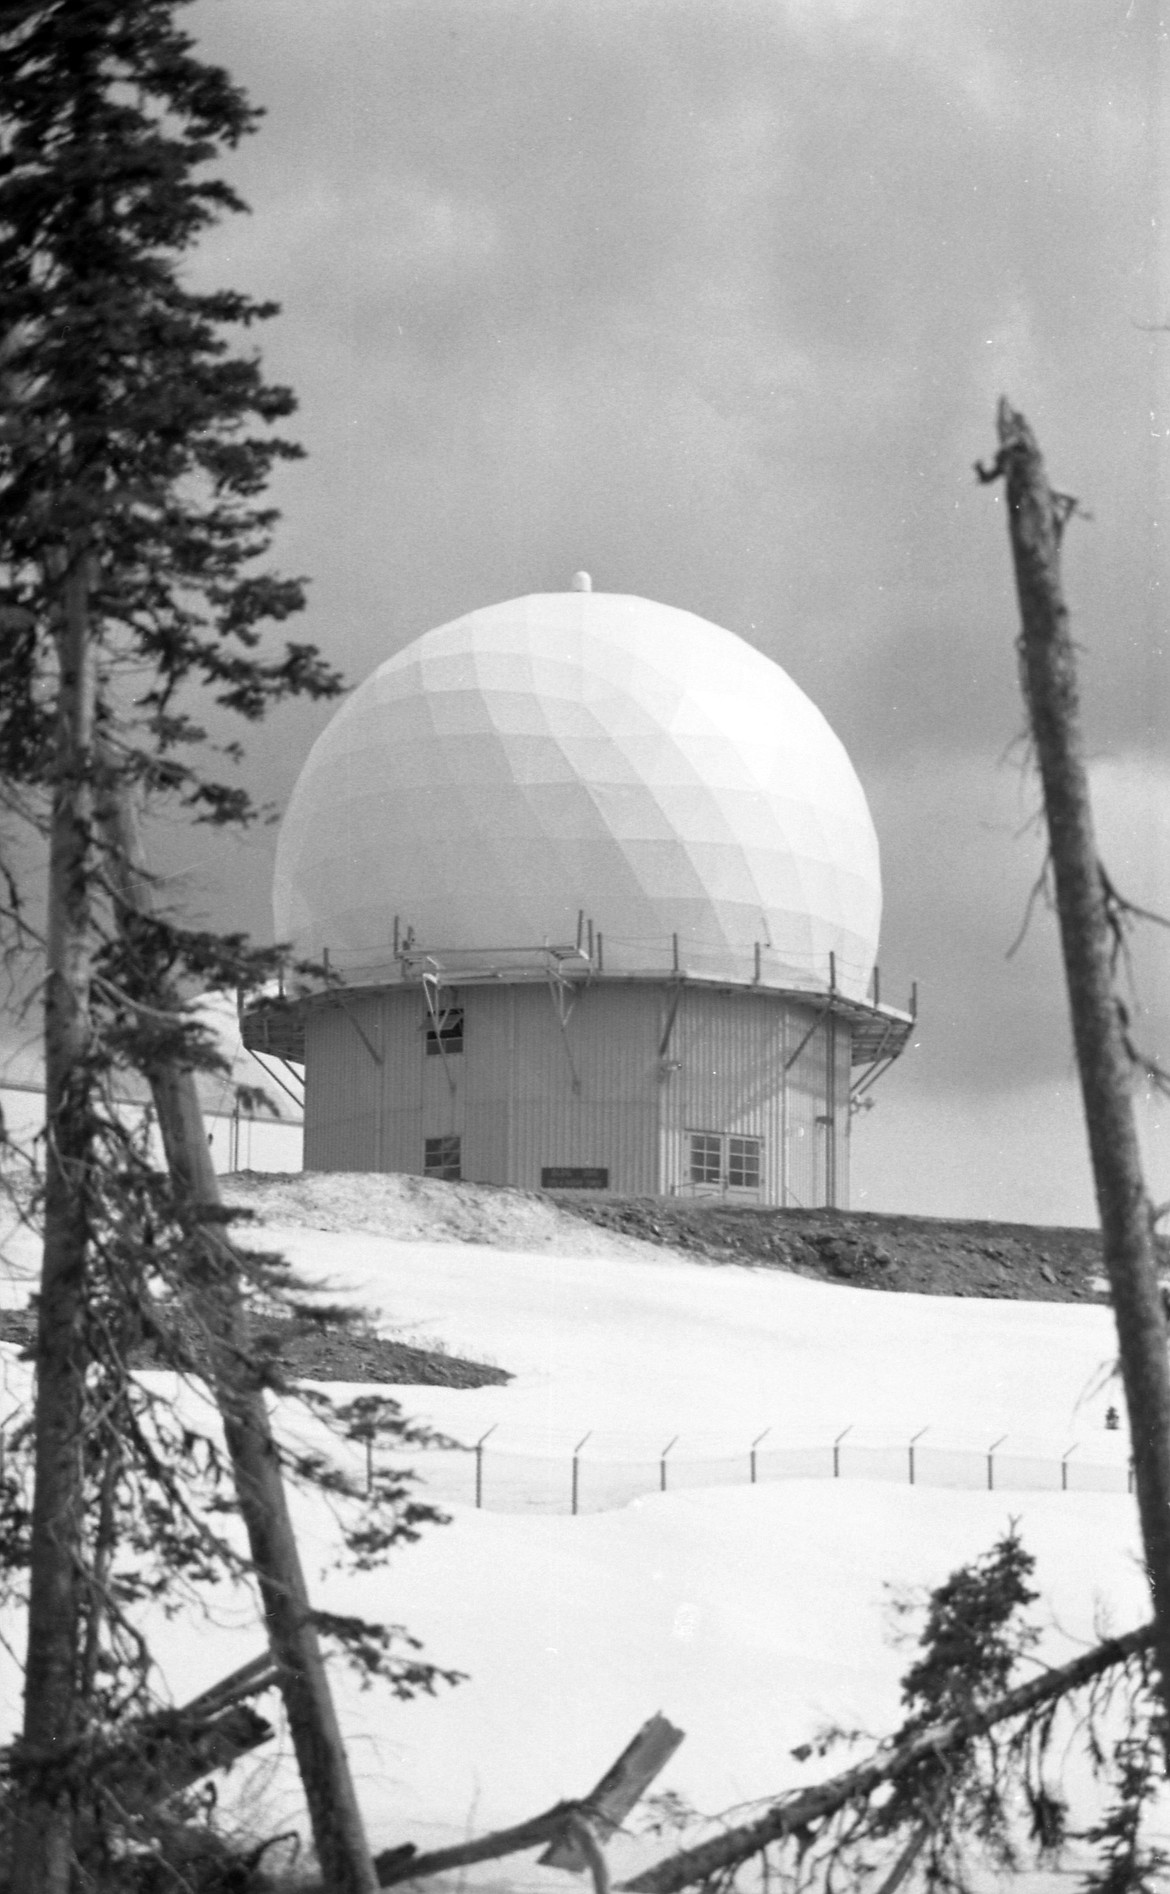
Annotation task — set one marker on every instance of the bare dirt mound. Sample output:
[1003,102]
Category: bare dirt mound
[916,1255]
[421,1209]
[931,1256]
[307,1350]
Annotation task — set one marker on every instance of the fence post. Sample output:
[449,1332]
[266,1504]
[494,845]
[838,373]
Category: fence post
[1129,1478]
[576,1456]
[837,1451]
[910,1450]
[752,1454]
[1064,1460]
[991,1462]
[479,1463]
[662,1465]
[369,1463]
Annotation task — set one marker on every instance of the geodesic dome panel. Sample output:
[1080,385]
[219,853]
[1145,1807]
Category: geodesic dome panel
[585,751]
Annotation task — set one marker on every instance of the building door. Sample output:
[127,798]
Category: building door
[723,1164]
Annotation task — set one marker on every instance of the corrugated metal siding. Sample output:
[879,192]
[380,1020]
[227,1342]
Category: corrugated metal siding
[724,1073]
[515,1106]
[341,1088]
[610,1119]
[487,1104]
[806,1105]
[403,1024]
[442,1077]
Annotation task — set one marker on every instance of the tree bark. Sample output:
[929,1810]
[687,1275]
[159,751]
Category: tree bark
[1104,1060]
[43,1837]
[338,1833]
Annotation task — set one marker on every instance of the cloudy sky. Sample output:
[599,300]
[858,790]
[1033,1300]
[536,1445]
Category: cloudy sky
[715,298]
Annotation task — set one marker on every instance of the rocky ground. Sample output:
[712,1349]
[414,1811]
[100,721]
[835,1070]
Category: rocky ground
[930,1256]
[312,1351]
[916,1255]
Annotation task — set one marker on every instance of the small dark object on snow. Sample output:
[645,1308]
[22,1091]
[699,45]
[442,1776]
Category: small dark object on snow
[1112,1420]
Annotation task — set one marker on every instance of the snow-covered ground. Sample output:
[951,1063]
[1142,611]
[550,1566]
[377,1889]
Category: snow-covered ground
[750,1615]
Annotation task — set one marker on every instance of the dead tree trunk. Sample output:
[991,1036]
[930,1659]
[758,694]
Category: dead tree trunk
[43,1839]
[338,1833]
[1048,663]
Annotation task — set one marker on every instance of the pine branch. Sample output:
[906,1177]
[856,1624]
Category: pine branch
[801,1811]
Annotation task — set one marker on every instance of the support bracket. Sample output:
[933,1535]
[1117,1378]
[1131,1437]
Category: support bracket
[563,995]
[361,1032]
[880,1064]
[666,1066]
[262,1062]
[432,986]
[818,1017]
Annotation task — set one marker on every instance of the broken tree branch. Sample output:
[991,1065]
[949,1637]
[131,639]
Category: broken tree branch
[570,1827]
[403,1864]
[164,1752]
[610,1800]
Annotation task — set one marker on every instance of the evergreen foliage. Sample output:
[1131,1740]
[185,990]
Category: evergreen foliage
[968,1788]
[137,438]
[997,1800]
[971,1641]
[132,431]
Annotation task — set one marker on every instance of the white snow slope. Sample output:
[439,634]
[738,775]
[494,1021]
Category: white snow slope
[750,1615]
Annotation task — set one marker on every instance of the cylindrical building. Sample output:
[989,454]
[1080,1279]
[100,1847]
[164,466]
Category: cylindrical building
[598,895]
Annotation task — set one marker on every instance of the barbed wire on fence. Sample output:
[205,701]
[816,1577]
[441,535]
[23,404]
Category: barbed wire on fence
[498,1479]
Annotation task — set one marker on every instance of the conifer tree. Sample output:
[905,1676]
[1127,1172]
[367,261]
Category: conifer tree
[136,443]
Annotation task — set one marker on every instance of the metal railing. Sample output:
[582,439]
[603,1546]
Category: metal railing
[786,968]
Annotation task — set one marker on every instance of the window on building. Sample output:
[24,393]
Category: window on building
[441,1158]
[445,1031]
[706,1158]
[721,1161]
[743,1163]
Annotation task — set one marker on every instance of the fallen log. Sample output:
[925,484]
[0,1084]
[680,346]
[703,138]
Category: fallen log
[801,1808]
[406,1864]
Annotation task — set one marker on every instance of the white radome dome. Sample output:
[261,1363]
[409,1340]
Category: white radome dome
[585,751]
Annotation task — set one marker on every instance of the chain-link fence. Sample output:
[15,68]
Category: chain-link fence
[507,1480]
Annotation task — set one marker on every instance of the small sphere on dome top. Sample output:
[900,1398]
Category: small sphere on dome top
[581,582]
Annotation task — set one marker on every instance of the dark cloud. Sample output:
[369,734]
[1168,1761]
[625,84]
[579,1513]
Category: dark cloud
[716,302]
